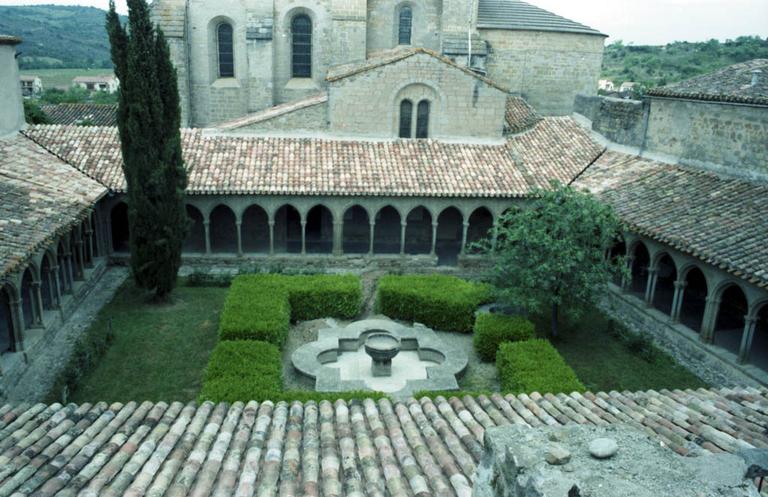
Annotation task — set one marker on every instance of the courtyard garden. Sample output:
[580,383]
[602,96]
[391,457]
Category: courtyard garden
[216,342]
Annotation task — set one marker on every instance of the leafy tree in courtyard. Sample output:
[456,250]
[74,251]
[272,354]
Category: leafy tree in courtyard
[551,253]
[148,121]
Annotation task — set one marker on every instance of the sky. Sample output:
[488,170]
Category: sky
[642,22]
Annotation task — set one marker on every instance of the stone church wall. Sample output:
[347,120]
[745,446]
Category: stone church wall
[547,69]
[383,19]
[461,105]
[621,121]
[715,135]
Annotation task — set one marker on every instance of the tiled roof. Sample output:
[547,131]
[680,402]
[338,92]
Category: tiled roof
[730,84]
[93,114]
[273,112]
[719,220]
[519,115]
[557,148]
[95,79]
[514,14]
[361,448]
[386,57]
[41,197]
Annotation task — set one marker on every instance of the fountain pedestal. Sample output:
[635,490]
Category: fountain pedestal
[382,347]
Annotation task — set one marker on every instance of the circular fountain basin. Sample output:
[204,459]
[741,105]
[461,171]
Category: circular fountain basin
[382,346]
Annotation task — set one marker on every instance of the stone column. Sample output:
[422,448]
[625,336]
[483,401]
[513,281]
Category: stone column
[89,246]
[494,235]
[434,239]
[207,226]
[69,270]
[338,230]
[677,301]
[625,280]
[53,278]
[711,311]
[464,238]
[303,237]
[37,302]
[370,239]
[403,224]
[650,287]
[750,323]
[271,238]
[239,225]
[18,326]
[80,259]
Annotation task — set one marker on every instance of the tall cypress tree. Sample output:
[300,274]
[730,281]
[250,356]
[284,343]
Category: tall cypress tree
[148,120]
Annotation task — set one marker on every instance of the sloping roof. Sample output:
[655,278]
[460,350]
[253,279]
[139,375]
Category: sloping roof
[729,84]
[386,57]
[96,79]
[93,114]
[273,112]
[519,115]
[245,164]
[362,448]
[719,220]
[517,15]
[41,197]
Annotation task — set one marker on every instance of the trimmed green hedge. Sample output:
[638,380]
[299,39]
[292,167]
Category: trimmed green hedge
[534,366]
[441,302]
[493,329]
[242,370]
[260,306]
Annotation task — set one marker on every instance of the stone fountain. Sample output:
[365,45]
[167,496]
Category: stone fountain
[382,347]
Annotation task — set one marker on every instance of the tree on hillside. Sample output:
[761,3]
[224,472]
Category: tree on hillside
[148,121]
[552,252]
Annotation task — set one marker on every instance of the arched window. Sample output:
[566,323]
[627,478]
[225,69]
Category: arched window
[404,26]
[301,47]
[226,51]
[422,119]
[406,118]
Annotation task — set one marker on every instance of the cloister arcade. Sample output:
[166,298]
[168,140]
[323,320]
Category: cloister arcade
[31,297]
[337,226]
[723,310]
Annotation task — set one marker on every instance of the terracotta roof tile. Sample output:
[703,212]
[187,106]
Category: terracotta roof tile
[93,114]
[557,148]
[365,447]
[519,115]
[41,197]
[717,219]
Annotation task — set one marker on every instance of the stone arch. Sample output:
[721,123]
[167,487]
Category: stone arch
[450,226]
[65,273]
[387,232]
[120,230]
[758,353]
[255,229]
[214,25]
[480,226]
[418,231]
[729,322]
[641,261]
[47,283]
[415,93]
[403,23]
[356,232]
[617,253]
[319,230]
[195,241]
[694,301]
[28,298]
[8,331]
[223,229]
[666,275]
[288,230]
[302,44]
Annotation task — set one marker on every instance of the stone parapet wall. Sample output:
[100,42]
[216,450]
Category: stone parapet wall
[312,118]
[621,121]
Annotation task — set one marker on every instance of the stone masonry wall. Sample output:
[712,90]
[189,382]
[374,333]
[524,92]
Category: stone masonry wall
[460,105]
[313,118]
[725,136]
[621,121]
[547,69]
[383,22]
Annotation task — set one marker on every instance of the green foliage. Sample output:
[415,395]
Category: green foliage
[660,65]
[551,253]
[242,370]
[33,114]
[493,329]
[73,95]
[534,366]
[148,121]
[438,301]
[260,306]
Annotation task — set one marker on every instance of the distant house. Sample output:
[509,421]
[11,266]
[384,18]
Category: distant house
[606,85]
[109,83]
[31,85]
[628,86]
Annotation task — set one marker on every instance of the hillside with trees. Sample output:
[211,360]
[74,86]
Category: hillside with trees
[660,65]
[57,36]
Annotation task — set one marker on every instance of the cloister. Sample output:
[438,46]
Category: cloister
[721,309]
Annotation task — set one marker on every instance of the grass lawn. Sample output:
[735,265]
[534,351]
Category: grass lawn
[604,361]
[159,351]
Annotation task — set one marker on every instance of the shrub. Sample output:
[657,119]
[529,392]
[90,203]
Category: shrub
[493,329]
[534,366]
[322,295]
[442,302]
[242,370]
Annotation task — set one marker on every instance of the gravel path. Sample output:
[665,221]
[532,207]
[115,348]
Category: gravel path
[45,367]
